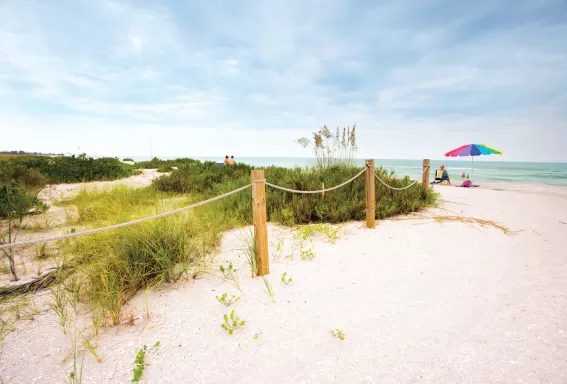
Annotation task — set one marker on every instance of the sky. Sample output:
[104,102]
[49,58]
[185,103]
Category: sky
[248,78]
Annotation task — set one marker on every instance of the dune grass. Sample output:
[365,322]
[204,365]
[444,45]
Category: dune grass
[110,267]
[116,264]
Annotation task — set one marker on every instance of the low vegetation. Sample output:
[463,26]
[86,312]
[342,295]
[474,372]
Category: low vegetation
[232,322]
[156,163]
[110,267]
[338,333]
[71,169]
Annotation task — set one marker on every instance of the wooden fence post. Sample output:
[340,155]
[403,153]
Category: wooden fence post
[370,195]
[260,222]
[426,172]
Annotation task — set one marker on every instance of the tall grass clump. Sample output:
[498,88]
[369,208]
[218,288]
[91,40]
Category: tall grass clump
[115,264]
[332,148]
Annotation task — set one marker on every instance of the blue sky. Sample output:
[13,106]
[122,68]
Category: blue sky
[206,78]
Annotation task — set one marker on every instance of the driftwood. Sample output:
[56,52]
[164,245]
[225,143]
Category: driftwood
[38,284]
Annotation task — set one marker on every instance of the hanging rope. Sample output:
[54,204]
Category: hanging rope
[402,188]
[319,191]
[121,225]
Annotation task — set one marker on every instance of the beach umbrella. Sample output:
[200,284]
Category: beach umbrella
[473,150]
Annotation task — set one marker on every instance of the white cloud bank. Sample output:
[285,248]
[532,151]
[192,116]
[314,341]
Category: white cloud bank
[248,79]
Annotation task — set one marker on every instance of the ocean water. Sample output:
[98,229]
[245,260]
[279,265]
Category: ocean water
[479,171]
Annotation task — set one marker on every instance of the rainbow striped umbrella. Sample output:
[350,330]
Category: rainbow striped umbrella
[473,150]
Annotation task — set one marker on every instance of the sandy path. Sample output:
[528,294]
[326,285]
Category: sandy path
[60,191]
[56,221]
[418,301]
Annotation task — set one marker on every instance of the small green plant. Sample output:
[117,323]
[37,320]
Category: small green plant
[232,323]
[228,269]
[257,335]
[225,300]
[338,333]
[279,249]
[6,327]
[42,252]
[140,362]
[230,273]
[59,306]
[248,249]
[326,231]
[127,159]
[269,290]
[76,375]
[307,254]
[287,217]
[286,280]
[289,257]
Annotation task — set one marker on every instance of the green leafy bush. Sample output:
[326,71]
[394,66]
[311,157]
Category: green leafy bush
[70,169]
[157,163]
[19,187]
[165,168]
[347,203]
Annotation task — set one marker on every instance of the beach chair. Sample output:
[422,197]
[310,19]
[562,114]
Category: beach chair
[440,177]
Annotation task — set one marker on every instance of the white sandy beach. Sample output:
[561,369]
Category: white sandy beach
[419,301]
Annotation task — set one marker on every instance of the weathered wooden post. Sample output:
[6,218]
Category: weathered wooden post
[370,195]
[260,222]
[426,171]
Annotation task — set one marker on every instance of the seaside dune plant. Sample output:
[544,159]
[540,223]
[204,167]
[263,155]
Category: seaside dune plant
[332,148]
[69,169]
[157,163]
[340,205]
[114,265]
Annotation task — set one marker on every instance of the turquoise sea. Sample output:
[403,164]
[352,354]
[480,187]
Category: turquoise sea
[480,171]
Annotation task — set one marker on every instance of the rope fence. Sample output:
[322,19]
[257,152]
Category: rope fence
[121,225]
[425,169]
[259,210]
[319,191]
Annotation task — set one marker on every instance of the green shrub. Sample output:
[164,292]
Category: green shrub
[19,187]
[346,203]
[157,163]
[128,159]
[70,169]
[165,168]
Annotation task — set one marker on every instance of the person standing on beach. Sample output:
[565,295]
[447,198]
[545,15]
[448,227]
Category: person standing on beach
[231,161]
[226,160]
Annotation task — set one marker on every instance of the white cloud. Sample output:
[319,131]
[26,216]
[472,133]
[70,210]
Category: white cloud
[205,78]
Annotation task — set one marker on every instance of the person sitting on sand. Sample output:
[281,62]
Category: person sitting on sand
[442,176]
[231,161]
[463,175]
[226,160]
